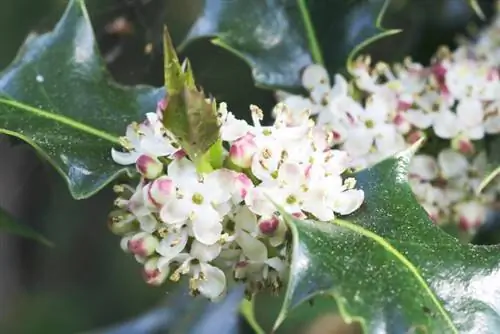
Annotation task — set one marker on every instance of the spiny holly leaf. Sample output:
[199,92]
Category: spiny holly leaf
[278,38]
[9,224]
[189,115]
[390,268]
[58,97]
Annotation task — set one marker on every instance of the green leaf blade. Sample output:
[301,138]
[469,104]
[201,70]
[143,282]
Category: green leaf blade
[278,38]
[57,96]
[387,266]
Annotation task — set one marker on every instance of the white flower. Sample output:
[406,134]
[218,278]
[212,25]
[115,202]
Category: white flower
[452,164]
[467,121]
[148,138]
[195,202]
[179,221]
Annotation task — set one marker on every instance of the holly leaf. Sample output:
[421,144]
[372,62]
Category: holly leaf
[278,38]
[9,224]
[58,97]
[390,268]
[188,114]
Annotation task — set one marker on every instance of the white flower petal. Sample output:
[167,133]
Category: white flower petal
[313,76]
[420,119]
[424,167]
[206,225]
[348,201]
[203,252]
[214,283]
[452,163]
[124,158]
[172,245]
[176,211]
[252,248]
[245,219]
[446,125]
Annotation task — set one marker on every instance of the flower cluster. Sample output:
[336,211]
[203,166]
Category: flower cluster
[454,103]
[180,221]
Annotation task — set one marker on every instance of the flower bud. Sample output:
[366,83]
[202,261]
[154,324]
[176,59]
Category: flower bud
[414,136]
[242,184]
[268,226]
[401,123]
[149,167]
[124,243]
[242,151]
[120,222]
[152,275]
[470,215]
[159,191]
[143,244]
[463,145]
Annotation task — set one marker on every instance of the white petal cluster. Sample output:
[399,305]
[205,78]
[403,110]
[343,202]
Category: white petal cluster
[454,103]
[180,222]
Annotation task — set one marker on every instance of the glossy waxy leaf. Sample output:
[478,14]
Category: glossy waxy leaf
[8,224]
[278,38]
[188,114]
[390,268]
[58,97]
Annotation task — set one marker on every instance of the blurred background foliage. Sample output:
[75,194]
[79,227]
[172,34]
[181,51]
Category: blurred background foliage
[85,281]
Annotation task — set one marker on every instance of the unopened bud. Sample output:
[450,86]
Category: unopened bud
[268,226]
[143,244]
[152,275]
[149,167]
[120,222]
[415,136]
[124,243]
[242,151]
[160,190]
[463,145]
[242,184]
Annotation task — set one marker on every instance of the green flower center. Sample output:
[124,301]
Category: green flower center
[291,199]
[197,198]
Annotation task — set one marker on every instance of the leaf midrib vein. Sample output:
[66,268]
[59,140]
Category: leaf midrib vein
[61,119]
[387,246]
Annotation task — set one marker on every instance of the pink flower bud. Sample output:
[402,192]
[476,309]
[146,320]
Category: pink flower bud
[268,226]
[463,145]
[152,275]
[470,215]
[401,123]
[149,167]
[242,151]
[142,244]
[160,107]
[179,154]
[160,190]
[414,136]
[242,184]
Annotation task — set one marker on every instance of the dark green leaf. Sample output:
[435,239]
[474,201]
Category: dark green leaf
[278,38]
[389,267]
[58,97]
[9,224]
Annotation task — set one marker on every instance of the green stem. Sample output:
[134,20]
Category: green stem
[487,180]
[246,310]
[311,35]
